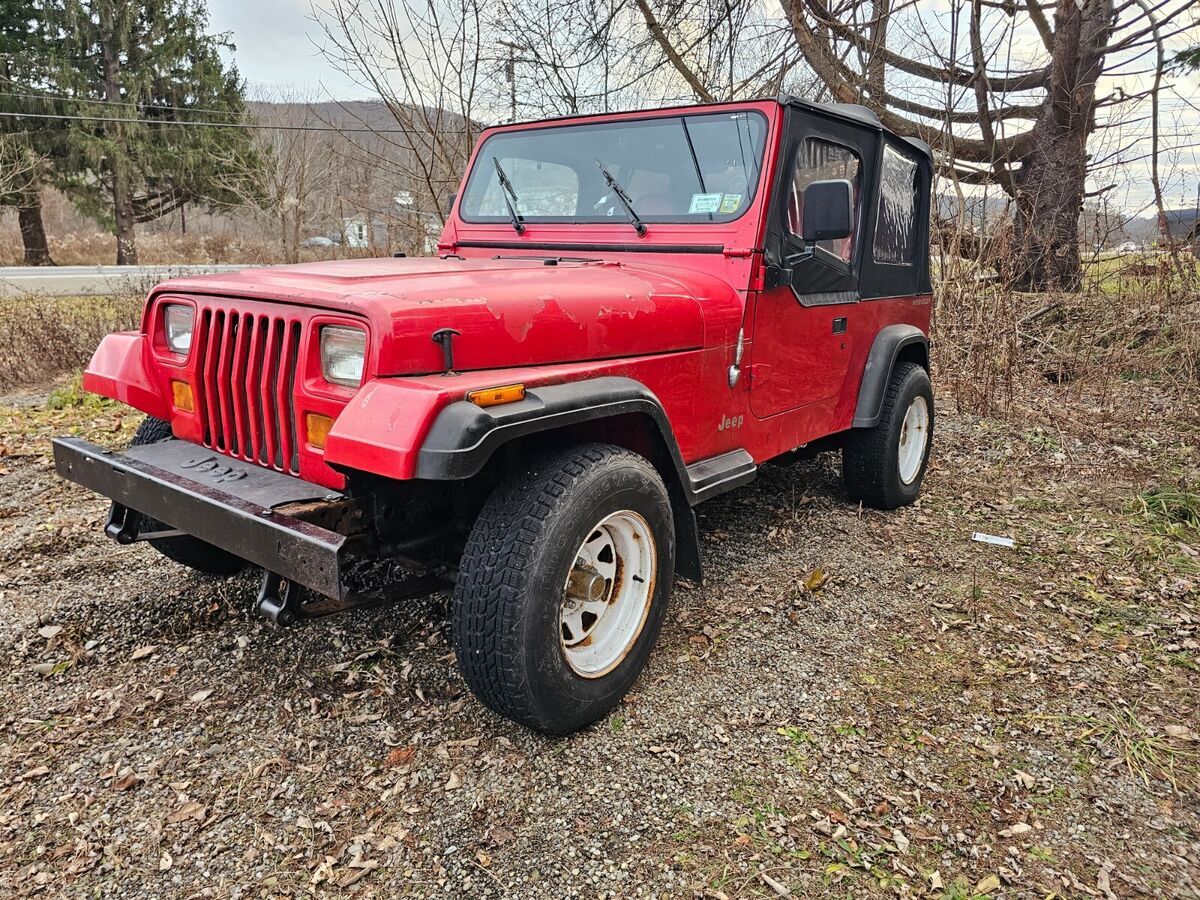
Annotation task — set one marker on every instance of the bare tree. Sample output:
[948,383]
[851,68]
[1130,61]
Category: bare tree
[423,60]
[291,170]
[1004,90]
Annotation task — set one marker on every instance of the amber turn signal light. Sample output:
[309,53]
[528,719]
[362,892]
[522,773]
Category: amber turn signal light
[317,427]
[509,393]
[181,396]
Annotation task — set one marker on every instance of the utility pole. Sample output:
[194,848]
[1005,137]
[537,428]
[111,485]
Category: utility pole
[510,72]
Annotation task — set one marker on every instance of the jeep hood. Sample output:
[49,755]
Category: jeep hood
[509,312]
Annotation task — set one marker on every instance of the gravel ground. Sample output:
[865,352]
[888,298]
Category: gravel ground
[854,704]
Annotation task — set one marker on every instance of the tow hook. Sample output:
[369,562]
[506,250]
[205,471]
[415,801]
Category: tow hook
[278,599]
[286,602]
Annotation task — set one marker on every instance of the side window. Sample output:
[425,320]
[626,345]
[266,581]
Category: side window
[822,161]
[896,224]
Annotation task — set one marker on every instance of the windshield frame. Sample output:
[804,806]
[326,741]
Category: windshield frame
[760,166]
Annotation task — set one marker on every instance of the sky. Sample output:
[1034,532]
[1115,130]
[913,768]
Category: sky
[277,49]
[278,52]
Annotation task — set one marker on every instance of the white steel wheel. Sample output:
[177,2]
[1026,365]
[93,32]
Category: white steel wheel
[607,594]
[914,439]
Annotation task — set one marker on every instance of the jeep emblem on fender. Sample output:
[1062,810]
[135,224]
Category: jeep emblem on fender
[730,422]
[213,468]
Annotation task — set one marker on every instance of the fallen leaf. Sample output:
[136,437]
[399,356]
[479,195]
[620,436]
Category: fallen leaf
[126,782]
[935,881]
[190,810]
[779,889]
[49,631]
[35,773]
[484,859]
[357,872]
[201,696]
[1015,829]
[143,652]
[454,782]
[815,579]
[165,861]
[1181,733]
[401,756]
[900,840]
[987,884]
[1104,883]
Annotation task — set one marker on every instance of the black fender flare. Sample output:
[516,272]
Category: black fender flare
[878,370]
[464,437]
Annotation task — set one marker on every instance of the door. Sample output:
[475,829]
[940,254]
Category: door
[803,326]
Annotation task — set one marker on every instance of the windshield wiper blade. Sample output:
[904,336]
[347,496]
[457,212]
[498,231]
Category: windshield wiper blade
[510,198]
[615,187]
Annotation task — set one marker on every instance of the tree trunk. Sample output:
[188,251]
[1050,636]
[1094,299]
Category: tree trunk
[122,194]
[33,232]
[123,215]
[1051,180]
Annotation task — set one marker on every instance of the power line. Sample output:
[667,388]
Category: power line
[63,98]
[129,103]
[240,125]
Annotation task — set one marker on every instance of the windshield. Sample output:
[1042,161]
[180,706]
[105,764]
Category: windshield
[701,168]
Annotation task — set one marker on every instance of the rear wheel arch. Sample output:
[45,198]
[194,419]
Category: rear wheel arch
[893,344]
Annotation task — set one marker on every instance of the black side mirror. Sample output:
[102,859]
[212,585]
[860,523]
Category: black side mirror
[828,211]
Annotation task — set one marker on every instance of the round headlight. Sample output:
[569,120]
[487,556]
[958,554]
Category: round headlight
[343,352]
[179,322]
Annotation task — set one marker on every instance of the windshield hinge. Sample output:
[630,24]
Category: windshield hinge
[738,252]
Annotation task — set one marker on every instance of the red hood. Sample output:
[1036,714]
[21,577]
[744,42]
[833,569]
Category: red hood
[511,312]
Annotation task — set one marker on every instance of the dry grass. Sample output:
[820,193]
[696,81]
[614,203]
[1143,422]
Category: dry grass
[99,249]
[46,336]
[1133,322]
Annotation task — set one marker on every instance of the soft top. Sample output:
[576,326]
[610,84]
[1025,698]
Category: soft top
[856,114]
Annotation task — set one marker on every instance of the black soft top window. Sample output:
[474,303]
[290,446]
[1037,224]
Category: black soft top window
[692,169]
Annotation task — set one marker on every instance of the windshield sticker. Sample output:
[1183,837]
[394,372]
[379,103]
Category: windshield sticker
[731,203]
[705,203]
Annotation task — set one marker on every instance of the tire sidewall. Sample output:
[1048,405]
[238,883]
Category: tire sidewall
[915,384]
[564,697]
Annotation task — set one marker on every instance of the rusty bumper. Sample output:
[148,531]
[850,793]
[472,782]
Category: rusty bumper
[223,501]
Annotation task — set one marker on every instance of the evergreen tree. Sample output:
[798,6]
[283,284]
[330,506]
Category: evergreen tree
[150,95]
[27,145]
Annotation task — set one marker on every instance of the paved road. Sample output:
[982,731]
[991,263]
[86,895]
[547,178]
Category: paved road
[74,281]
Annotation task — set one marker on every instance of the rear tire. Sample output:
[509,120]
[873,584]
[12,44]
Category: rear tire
[563,586]
[186,550]
[883,467]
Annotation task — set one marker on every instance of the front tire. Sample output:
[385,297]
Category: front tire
[563,587]
[883,467]
[185,550]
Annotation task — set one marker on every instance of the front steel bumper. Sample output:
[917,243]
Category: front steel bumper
[220,500]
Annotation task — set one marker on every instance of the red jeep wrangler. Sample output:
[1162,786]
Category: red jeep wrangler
[628,314]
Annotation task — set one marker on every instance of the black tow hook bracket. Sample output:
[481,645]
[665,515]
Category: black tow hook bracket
[124,526]
[285,602]
[278,599]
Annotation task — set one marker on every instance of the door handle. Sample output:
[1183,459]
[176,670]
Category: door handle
[839,325]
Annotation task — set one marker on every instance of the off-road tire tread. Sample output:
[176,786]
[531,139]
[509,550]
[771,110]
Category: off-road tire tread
[187,551]
[867,454]
[487,611]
